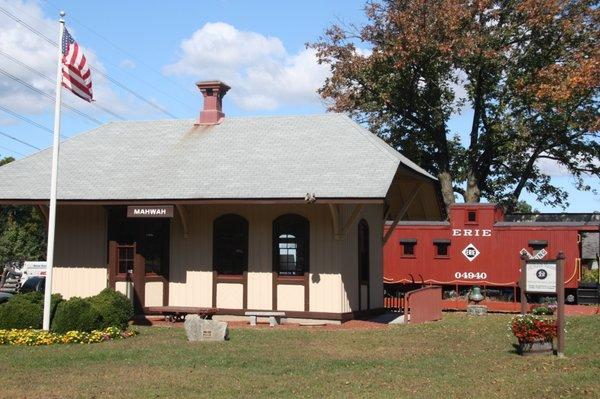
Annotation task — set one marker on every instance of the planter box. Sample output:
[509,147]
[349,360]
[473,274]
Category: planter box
[535,348]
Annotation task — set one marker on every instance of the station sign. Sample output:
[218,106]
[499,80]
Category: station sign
[150,211]
[540,277]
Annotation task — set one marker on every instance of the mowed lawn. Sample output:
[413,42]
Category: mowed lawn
[457,357]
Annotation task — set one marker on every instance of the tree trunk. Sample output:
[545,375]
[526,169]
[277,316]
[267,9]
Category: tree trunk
[445,180]
[473,192]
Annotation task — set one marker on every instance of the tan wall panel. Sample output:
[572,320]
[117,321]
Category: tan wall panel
[196,290]
[153,295]
[124,288]
[230,296]
[290,297]
[260,291]
[324,292]
[81,236]
[78,281]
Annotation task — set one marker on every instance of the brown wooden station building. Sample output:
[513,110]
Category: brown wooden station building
[257,213]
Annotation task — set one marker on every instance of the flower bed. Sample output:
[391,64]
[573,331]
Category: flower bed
[535,334]
[531,328]
[30,337]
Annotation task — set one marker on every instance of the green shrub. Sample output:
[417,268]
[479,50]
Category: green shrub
[115,308]
[26,310]
[588,275]
[76,314]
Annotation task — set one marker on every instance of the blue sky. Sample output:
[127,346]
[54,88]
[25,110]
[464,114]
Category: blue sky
[158,49]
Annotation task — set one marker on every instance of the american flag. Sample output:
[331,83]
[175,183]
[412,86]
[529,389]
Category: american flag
[75,70]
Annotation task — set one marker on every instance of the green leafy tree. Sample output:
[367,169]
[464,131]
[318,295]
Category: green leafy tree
[529,70]
[22,232]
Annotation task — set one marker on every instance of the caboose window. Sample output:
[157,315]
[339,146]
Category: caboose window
[472,216]
[408,247]
[441,248]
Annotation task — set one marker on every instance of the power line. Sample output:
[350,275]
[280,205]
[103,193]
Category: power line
[19,140]
[35,89]
[49,79]
[25,24]
[26,119]
[13,151]
[164,111]
[139,96]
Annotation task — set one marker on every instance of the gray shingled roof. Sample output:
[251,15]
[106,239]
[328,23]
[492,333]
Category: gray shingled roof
[258,157]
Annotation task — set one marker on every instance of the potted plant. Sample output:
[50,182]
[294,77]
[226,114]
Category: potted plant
[534,333]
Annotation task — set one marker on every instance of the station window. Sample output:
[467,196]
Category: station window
[472,217]
[290,245]
[408,247]
[442,248]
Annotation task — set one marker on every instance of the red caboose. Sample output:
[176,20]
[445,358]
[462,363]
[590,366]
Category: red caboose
[482,246]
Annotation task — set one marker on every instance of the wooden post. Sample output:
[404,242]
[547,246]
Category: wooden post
[522,283]
[560,298]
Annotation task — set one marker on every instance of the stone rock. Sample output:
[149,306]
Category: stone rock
[199,329]
[476,310]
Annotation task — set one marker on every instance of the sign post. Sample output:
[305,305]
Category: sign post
[546,277]
[560,298]
[523,284]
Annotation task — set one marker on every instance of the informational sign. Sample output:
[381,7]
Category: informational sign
[150,211]
[540,277]
[470,252]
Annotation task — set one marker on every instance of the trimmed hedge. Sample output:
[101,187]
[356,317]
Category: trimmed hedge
[107,309]
[115,308]
[76,314]
[26,310]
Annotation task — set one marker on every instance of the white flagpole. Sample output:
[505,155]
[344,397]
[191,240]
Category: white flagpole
[53,185]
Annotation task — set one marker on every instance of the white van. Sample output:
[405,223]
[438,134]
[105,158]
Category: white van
[31,269]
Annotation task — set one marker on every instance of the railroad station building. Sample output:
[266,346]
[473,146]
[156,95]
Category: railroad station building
[278,213]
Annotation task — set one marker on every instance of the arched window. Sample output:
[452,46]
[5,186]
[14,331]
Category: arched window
[363,251]
[230,244]
[290,245]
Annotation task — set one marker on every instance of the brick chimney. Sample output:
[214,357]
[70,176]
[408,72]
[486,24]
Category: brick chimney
[213,92]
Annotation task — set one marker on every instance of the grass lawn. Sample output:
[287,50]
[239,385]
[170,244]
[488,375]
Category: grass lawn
[457,357]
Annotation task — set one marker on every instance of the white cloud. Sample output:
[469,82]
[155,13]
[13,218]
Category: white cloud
[127,64]
[552,168]
[25,46]
[262,73]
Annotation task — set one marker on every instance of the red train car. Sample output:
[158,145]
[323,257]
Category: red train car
[479,245]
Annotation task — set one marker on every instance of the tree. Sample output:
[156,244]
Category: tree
[530,72]
[22,232]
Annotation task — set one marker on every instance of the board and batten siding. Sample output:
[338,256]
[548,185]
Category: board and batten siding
[81,258]
[80,251]
[349,253]
[333,263]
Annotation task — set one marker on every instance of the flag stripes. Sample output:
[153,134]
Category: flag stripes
[75,69]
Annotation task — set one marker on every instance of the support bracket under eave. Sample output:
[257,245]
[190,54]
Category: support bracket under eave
[340,233]
[402,212]
[184,217]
